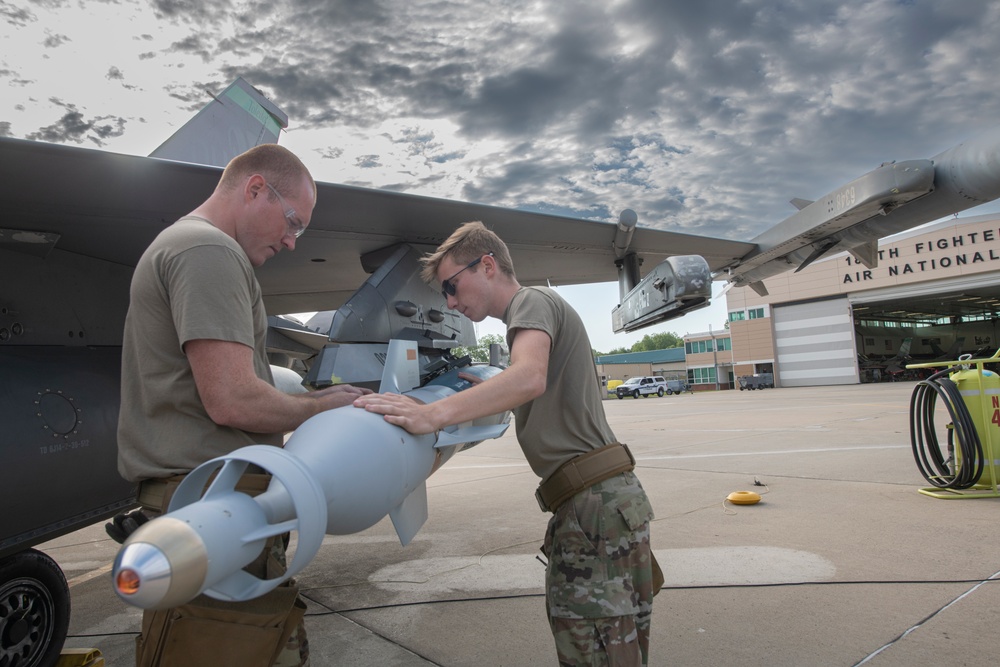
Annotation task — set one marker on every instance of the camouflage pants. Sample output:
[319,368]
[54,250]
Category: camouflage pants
[599,581]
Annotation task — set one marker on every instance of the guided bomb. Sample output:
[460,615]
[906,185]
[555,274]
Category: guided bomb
[341,471]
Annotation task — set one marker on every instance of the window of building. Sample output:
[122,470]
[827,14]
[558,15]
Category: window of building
[737,315]
[755,313]
[723,344]
[701,375]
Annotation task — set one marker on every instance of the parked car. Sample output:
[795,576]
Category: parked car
[677,386]
[642,386]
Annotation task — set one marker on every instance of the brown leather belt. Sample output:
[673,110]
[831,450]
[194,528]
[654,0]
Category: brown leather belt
[583,472]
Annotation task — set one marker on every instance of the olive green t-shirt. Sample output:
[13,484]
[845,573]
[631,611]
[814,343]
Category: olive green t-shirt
[193,282]
[568,419]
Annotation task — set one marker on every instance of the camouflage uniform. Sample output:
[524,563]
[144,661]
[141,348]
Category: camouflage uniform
[598,584]
[599,581]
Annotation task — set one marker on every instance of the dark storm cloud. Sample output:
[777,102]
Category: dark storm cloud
[702,116]
[116,74]
[192,11]
[5,129]
[52,41]
[73,126]
[15,78]
[196,45]
[17,16]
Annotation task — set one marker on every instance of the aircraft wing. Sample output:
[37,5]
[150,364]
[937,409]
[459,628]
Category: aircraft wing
[108,207]
[890,199]
[350,222]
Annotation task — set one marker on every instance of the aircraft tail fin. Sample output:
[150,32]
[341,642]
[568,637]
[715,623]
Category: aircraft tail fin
[410,515]
[904,349]
[233,122]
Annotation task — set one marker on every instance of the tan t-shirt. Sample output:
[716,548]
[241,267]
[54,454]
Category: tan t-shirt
[568,419]
[193,282]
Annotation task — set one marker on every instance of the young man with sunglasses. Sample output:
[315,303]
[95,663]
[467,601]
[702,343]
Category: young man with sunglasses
[196,384]
[600,574]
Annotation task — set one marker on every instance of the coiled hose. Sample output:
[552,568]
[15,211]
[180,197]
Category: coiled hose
[938,469]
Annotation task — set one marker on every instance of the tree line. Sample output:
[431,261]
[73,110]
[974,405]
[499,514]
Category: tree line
[658,341]
[649,342]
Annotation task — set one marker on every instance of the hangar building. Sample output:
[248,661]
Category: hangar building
[935,292]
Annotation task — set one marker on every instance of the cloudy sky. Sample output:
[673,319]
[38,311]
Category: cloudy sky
[704,117]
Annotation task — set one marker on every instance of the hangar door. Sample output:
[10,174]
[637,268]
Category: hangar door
[814,343]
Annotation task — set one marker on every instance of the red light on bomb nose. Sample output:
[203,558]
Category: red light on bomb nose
[127,582]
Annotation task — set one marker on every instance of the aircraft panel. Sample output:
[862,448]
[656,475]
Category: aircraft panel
[64,455]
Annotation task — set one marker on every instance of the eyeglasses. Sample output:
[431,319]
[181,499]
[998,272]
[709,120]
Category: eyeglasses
[448,287]
[295,226]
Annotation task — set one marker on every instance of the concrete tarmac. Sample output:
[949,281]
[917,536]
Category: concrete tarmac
[843,562]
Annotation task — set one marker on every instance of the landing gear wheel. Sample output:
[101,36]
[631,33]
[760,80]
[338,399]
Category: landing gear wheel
[34,610]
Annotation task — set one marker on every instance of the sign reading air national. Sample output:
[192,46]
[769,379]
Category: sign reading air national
[979,250]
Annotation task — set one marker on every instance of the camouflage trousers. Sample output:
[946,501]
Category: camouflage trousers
[599,580]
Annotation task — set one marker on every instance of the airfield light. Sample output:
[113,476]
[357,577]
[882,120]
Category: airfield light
[127,582]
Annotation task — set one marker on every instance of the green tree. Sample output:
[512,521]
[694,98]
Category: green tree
[481,351]
[658,341]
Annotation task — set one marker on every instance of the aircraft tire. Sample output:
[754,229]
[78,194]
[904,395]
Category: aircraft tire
[34,609]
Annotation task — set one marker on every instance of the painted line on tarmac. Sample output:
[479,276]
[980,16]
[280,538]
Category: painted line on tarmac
[488,465]
[87,576]
[671,457]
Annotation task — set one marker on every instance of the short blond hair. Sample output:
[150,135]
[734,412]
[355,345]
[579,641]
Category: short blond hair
[469,241]
[279,166]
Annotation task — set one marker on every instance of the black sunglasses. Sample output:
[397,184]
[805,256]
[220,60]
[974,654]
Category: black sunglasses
[448,288]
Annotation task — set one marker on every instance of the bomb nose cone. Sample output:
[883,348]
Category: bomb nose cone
[163,564]
[142,575]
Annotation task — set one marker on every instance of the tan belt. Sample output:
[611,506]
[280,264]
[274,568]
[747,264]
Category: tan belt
[155,494]
[583,472]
